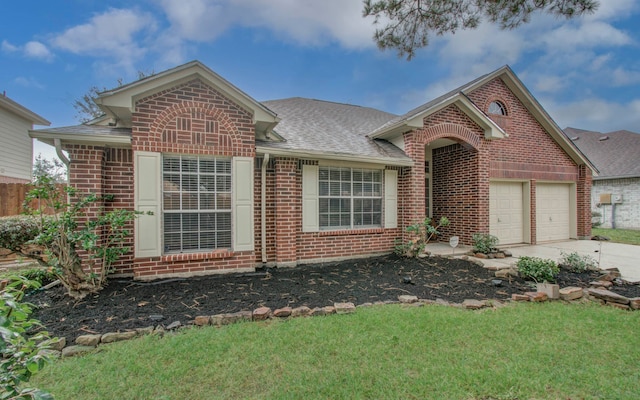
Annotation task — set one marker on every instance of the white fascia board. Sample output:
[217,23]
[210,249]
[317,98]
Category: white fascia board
[308,154]
[127,95]
[81,139]
[416,121]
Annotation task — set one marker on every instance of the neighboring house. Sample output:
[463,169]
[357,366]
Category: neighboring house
[16,147]
[234,183]
[615,194]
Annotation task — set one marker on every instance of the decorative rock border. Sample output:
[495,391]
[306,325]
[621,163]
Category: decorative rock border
[596,292]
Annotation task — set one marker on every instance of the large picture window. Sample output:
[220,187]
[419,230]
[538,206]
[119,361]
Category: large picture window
[349,198]
[196,203]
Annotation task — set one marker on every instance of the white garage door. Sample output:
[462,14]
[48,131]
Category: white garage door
[506,212]
[553,211]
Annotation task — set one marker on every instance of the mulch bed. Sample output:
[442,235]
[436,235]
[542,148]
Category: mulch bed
[127,304]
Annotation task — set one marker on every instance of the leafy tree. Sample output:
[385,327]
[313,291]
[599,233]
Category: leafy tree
[53,168]
[86,107]
[408,23]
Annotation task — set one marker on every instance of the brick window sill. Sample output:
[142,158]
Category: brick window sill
[212,255]
[350,232]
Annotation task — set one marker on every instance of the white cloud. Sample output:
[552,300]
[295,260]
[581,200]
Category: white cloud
[586,35]
[595,114]
[117,34]
[37,50]
[550,83]
[624,77]
[315,23]
[28,82]
[8,47]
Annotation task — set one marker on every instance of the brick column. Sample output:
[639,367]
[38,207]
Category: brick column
[583,203]
[411,188]
[86,173]
[288,210]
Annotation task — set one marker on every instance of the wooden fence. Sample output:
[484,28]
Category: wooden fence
[12,196]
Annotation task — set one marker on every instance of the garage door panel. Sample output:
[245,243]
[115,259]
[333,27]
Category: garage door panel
[553,211]
[506,210]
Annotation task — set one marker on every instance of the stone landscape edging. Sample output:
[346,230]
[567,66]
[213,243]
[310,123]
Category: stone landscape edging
[87,343]
[597,292]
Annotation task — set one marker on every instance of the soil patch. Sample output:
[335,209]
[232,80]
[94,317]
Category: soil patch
[127,304]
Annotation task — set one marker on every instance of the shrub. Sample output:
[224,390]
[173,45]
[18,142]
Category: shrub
[484,243]
[22,342]
[538,269]
[41,275]
[17,231]
[420,234]
[574,262]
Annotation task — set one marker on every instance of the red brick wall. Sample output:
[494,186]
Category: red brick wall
[193,118]
[118,181]
[286,243]
[288,200]
[461,172]
[456,190]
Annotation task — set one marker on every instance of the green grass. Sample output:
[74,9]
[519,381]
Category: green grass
[627,236]
[524,351]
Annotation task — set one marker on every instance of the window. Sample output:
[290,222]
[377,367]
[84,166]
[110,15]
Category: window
[496,107]
[196,203]
[349,198]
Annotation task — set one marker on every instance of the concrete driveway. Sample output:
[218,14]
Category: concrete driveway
[625,257]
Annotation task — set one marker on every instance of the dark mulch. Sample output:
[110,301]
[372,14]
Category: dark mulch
[127,304]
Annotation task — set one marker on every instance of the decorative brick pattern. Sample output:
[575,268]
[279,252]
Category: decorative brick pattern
[461,172]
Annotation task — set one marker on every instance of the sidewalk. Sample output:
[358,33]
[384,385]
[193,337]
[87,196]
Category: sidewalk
[625,257]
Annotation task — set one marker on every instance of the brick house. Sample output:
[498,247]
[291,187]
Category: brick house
[234,183]
[615,193]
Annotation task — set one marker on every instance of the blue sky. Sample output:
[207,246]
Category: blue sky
[585,72]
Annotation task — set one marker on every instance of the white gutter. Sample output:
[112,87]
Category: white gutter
[329,156]
[263,208]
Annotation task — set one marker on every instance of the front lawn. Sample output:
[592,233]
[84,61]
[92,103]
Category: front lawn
[521,351]
[627,236]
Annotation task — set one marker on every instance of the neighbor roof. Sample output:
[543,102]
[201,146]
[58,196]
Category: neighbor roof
[22,111]
[84,134]
[615,154]
[316,126]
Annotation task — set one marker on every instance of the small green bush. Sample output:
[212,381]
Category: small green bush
[420,234]
[43,276]
[22,340]
[574,262]
[484,243]
[538,269]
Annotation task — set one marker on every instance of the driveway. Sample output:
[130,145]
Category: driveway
[625,257]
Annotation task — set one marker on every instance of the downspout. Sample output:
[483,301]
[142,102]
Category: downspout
[263,208]
[58,145]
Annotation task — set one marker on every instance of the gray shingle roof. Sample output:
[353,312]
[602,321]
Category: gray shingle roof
[617,156]
[336,128]
[426,106]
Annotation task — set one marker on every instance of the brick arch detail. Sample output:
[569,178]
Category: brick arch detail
[171,113]
[449,130]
